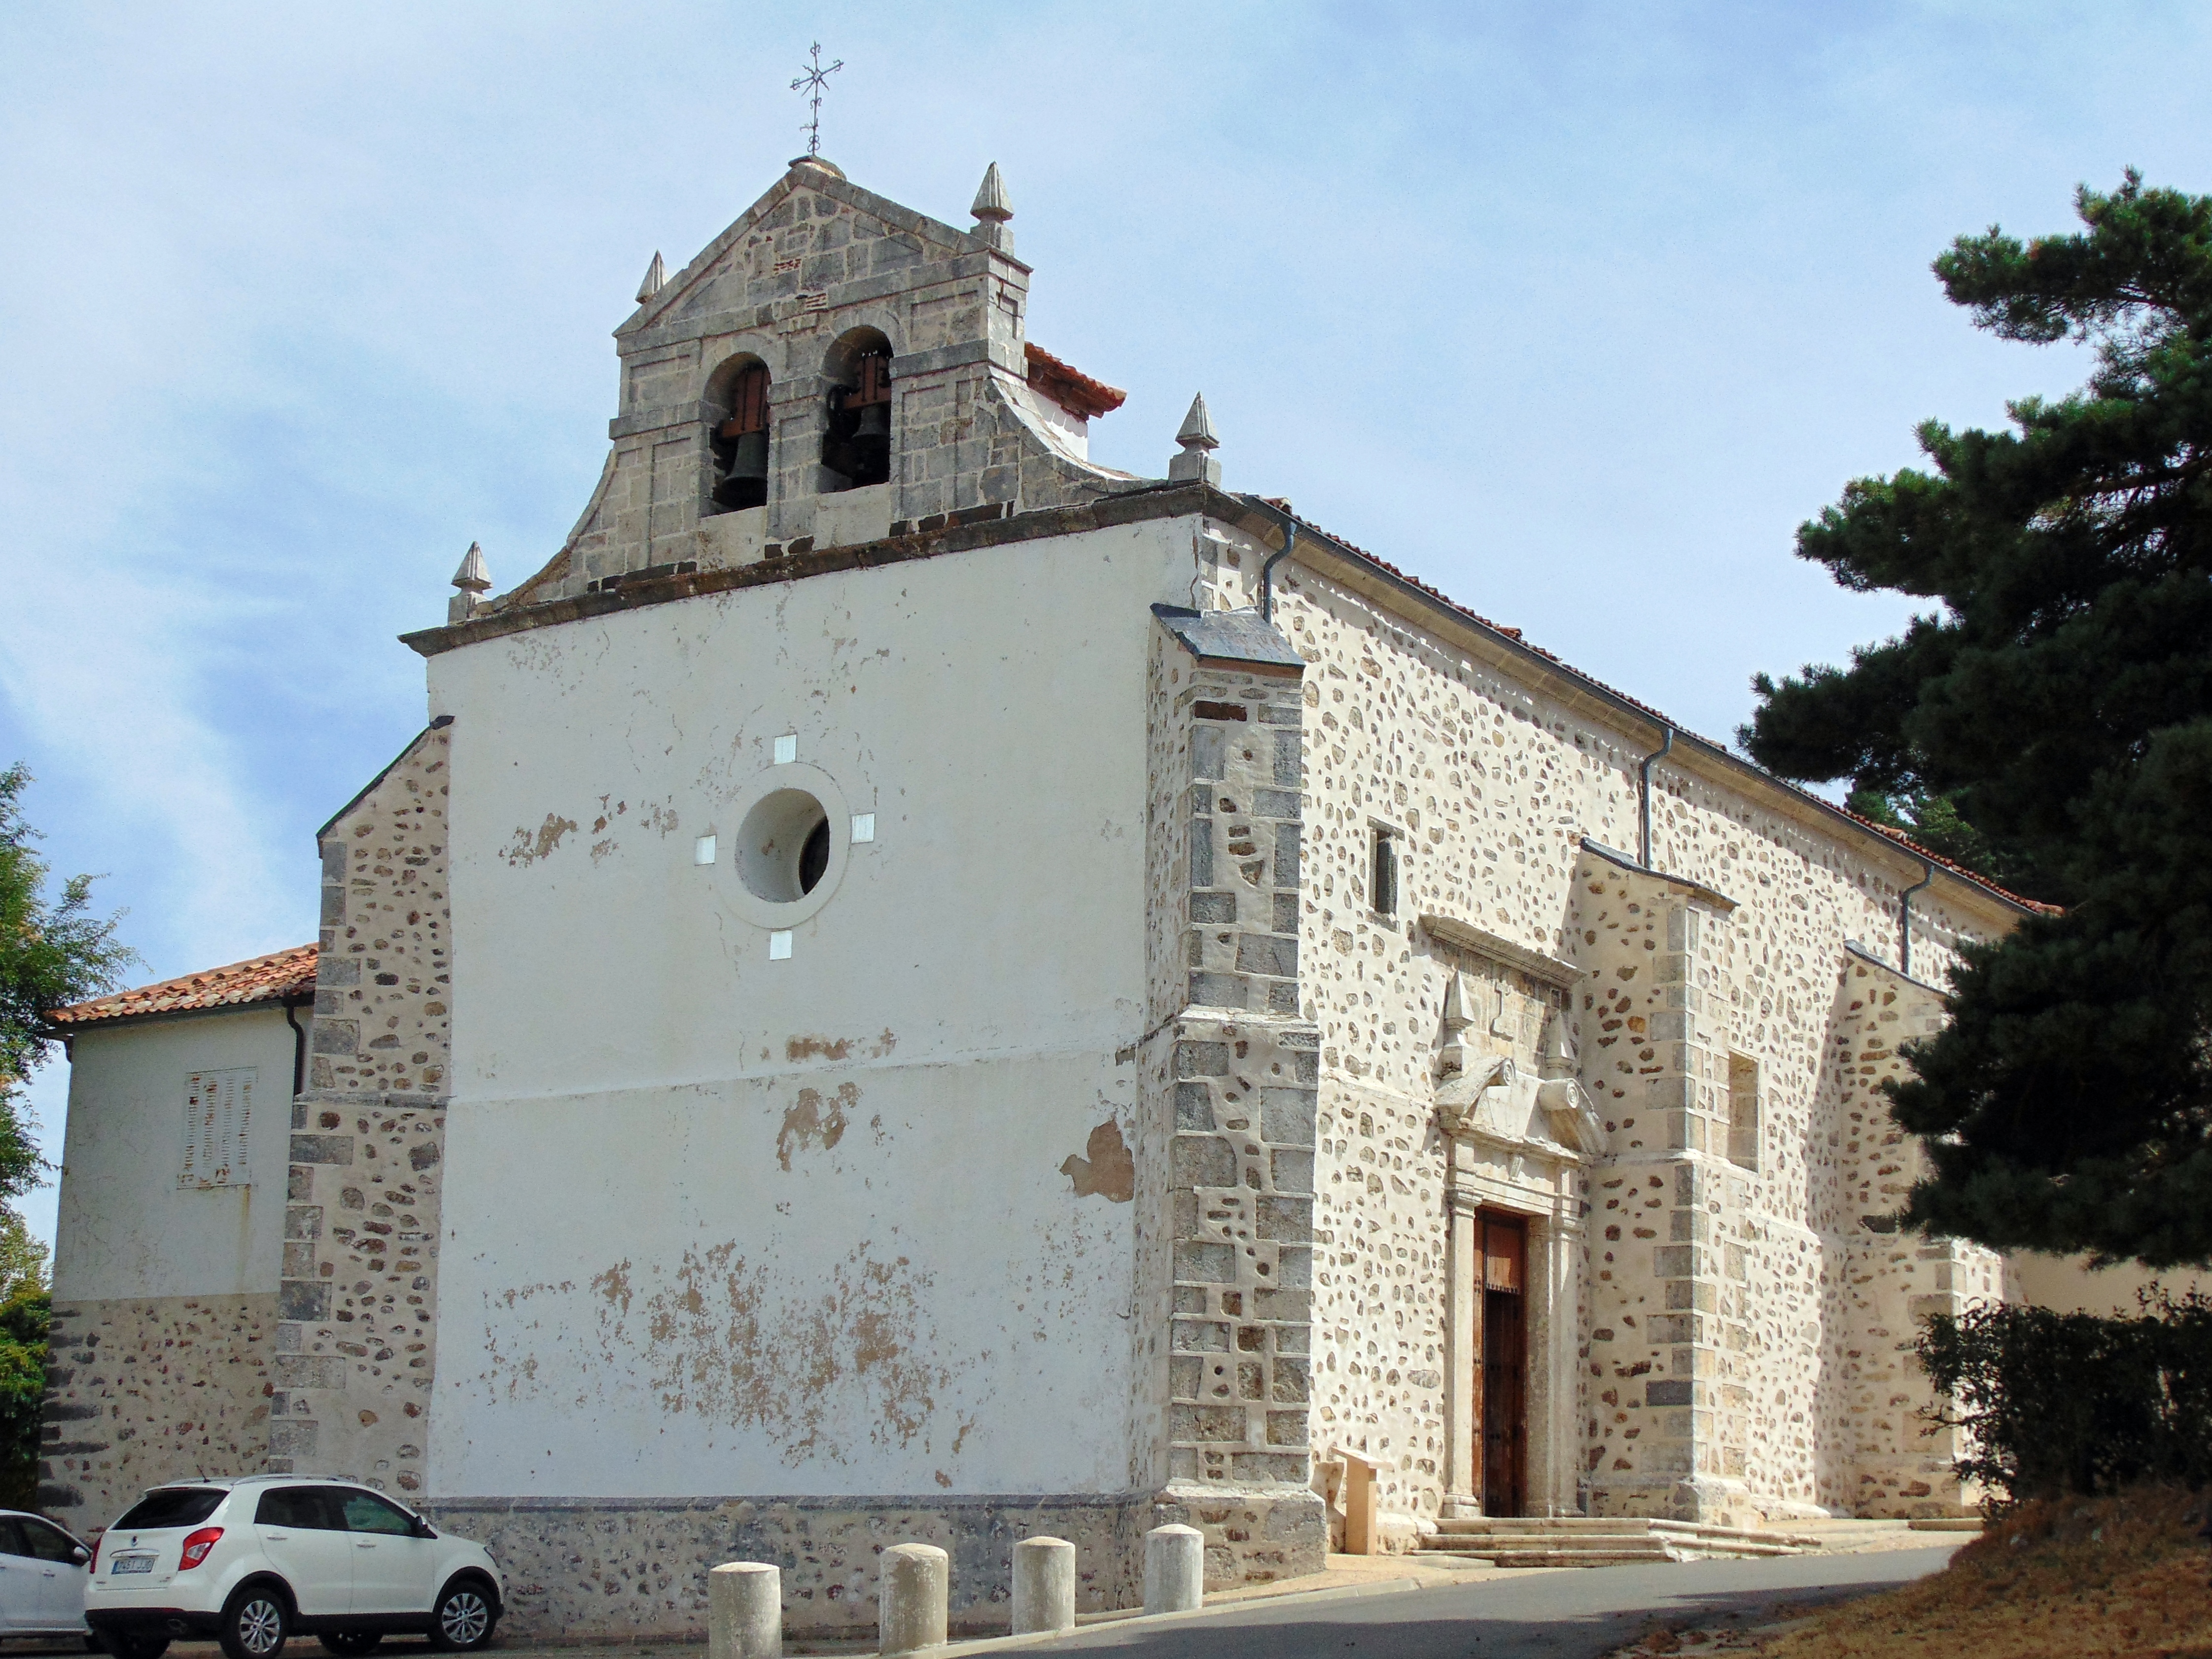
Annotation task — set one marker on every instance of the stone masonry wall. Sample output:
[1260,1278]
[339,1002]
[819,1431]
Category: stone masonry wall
[384,982]
[815,258]
[1670,1306]
[627,1569]
[1243,1074]
[1492,790]
[141,1390]
[1890,1281]
[358,1299]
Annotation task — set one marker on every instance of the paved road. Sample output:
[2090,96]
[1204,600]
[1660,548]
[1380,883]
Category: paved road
[1549,1616]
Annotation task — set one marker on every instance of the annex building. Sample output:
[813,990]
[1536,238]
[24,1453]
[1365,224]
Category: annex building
[912,986]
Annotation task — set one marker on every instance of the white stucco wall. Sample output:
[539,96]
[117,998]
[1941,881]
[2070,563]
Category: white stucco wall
[126,1228]
[801,1227]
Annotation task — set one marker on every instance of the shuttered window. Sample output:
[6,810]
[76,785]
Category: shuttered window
[218,1110]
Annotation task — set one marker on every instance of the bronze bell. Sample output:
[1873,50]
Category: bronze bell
[749,458]
[745,484]
[872,440]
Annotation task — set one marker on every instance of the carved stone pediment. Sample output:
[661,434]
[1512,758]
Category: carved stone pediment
[1505,1105]
[1574,1120]
[1478,1100]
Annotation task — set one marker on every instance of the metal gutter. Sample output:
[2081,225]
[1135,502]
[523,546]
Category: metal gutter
[1578,689]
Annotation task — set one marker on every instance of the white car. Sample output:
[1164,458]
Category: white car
[253,1561]
[41,1578]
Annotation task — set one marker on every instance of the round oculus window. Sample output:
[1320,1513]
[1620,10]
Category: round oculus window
[783,846]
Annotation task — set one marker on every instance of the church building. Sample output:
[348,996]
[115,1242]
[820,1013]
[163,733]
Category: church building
[915,986]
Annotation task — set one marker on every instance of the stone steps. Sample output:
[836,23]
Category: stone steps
[1524,1559]
[1601,1541]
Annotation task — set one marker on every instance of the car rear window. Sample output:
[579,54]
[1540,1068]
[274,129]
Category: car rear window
[171,1506]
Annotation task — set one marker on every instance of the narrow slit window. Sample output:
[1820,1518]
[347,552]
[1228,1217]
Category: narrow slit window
[1382,873]
[1743,1111]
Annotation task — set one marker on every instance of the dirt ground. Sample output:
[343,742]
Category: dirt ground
[2124,1578]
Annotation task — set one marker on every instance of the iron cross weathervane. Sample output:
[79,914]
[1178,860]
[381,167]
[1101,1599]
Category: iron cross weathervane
[815,79]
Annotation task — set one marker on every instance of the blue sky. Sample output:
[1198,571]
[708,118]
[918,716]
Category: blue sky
[1573,310]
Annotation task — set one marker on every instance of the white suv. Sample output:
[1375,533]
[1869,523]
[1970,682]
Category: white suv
[253,1561]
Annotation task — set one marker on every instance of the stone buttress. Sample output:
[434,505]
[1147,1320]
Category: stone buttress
[358,1302]
[1899,1461]
[1237,1065]
[1667,1304]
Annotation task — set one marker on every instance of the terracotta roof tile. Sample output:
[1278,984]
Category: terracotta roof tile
[1069,386]
[258,979]
[1956,869]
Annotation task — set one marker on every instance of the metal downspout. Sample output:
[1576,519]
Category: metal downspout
[1905,918]
[1269,509]
[1268,572]
[1644,795]
[299,1044]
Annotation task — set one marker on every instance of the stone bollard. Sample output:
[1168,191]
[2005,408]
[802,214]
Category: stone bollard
[1044,1586]
[910,1598]
[745,1611]
[1174,1570]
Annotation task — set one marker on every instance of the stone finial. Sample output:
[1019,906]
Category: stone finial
[1557,1055]
[993,207]
[1199,440]
[474,574]
[991,199]
[474,579]
[656,278]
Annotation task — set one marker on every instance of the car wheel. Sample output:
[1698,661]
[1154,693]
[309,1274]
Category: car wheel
[254,1624]
[464,1618]
[351,1643]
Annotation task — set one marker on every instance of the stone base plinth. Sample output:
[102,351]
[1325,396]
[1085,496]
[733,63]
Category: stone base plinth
[610,1568]
[1253,1535]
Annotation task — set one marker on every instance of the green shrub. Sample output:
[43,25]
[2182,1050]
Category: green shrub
[2059,1403]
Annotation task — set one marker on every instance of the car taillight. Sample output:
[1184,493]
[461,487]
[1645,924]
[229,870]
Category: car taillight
[93,1565]
[197,1547]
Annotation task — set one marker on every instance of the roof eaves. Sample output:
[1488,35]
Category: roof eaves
[280,978]
[1511,639]
[1068,386]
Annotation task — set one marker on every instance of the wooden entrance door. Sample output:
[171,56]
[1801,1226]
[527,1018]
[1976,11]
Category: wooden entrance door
[1501,1382]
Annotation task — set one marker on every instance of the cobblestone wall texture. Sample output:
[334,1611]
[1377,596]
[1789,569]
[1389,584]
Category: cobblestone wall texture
[384,982]
[1243,1076]
[622,1569]
[143,1390]
[352,1370]
[1726,1301]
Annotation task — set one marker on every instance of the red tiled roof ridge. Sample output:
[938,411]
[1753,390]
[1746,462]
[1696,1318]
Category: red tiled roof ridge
[1069,386]
[1898,836]
[234,985]
[1952,865]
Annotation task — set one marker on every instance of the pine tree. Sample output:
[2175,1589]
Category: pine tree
[2054,717]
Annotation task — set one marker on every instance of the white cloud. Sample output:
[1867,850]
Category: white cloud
[1574,310]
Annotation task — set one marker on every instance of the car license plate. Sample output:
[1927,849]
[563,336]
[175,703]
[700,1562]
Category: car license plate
[132,1564]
